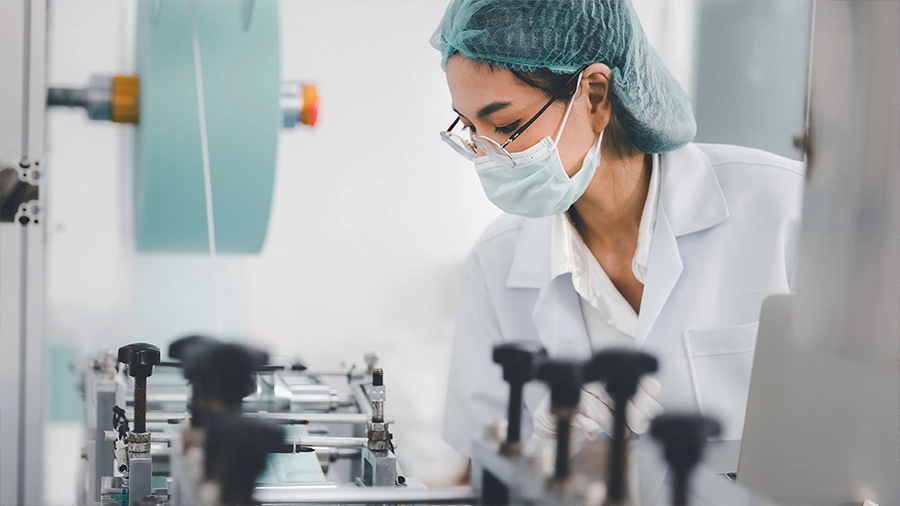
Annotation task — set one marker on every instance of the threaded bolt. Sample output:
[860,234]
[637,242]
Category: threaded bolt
[140,404]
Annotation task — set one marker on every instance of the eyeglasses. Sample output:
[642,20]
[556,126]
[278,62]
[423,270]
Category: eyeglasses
[495,151]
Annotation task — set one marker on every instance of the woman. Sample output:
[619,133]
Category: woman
[620,230]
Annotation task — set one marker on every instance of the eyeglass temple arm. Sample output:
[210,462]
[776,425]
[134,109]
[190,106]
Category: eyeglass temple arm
[536,116]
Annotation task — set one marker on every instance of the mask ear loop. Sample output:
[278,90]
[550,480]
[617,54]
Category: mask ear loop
[568,109]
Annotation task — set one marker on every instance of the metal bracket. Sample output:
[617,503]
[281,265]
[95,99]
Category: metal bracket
[29,212]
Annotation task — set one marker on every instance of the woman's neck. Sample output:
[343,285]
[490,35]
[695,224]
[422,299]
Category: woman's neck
[608,215]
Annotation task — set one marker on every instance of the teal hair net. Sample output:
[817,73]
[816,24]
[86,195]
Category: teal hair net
[561,36]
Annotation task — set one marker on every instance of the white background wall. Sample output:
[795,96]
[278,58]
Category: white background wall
[371,220]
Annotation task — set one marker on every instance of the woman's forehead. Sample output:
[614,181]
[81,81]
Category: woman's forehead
[473,86]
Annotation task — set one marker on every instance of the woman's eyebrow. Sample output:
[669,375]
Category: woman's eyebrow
[492,108]
[488,109]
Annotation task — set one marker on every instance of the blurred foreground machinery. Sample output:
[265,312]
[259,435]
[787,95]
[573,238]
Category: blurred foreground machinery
[222,424]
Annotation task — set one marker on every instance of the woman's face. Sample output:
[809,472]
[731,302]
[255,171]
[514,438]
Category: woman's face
[494,103]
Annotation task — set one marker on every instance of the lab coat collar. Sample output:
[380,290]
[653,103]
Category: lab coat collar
[690,197]
[690,192]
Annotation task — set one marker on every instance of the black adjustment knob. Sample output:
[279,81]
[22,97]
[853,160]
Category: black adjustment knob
[180,347]
[621,369]
[683,436]
[235,450]
[140,358]
[519,361]
[565,379]
[221,375]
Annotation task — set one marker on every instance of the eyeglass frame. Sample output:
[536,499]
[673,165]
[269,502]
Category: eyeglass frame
[470,142]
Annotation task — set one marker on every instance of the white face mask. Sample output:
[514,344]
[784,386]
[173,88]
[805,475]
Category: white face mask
[538,184]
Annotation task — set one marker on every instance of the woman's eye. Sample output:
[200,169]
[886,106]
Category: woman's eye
[469,128]
[508,129]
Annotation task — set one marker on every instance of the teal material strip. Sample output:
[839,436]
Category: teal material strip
[242,87]
[66,403]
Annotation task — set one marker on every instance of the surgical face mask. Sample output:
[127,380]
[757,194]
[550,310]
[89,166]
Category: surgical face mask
[538,184]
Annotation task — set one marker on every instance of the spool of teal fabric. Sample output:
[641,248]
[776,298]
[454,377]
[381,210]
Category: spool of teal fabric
[241,69]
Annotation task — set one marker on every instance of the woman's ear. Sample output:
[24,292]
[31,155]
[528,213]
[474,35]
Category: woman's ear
[596,80]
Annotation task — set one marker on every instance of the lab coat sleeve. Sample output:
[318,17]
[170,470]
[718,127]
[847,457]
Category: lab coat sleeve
[476,392]
[792,252]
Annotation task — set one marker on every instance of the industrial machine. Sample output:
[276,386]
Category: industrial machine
[197,429]
[221,423]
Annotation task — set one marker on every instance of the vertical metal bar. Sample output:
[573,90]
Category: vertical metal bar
[23,343]
[26,82]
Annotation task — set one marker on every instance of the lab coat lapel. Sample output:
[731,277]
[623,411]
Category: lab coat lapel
[557,313]
[560,322]
[691,200]
[664,269]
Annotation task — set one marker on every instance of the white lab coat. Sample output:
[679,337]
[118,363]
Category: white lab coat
[726,237]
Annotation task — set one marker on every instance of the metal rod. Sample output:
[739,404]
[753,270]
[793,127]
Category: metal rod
[323,485]
[327,442]
[26,93]
[343,400]
[291,494]
[617,473]
[309,441]
[323,418]
[67,97]
[514,413]
[140,404]
[563,440]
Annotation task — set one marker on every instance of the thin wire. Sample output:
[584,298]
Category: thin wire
[207,179]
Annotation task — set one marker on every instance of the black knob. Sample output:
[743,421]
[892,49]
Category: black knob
[621,369]
[221,375]
[683,436]
[519,361]
[565,379]
[235,450]
[179,347]
[140,358]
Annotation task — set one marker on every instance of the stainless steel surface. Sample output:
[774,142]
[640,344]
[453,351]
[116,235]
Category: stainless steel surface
[823,411]
[289,494]
[379,468]
[139,477]
[22,65]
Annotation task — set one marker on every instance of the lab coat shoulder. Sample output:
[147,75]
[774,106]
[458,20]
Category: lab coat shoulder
[764,192]
[756,179]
